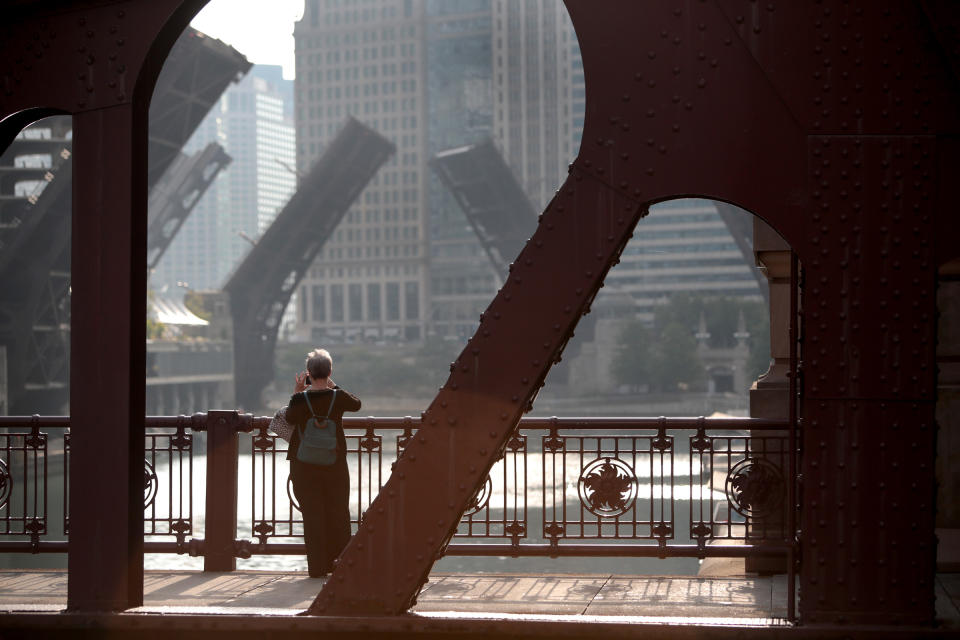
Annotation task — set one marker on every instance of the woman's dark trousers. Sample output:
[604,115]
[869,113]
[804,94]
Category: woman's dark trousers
[323,494]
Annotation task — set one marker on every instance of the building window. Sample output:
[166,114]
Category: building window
[303,304]
[356,302]
[412,300]
[336,302]
[393,301]
[319,303]
[373,301]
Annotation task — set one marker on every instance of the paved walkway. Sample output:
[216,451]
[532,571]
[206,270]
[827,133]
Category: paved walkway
[748,600]
[760,600]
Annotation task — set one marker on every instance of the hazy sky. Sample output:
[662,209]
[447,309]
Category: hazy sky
[262,30]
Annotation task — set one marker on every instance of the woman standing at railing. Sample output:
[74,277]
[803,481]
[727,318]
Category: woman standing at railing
[321,481]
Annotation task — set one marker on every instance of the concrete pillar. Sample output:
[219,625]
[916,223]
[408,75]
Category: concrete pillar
[770,394]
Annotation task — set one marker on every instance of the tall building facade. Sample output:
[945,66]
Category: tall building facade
[367,59]
[538,92]
[459,84]
[253,124]
[432,75]
[681,246]
[539,103]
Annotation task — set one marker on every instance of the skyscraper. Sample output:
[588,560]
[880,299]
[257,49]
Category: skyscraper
[251,125]
[682,246]
[537,92]
[432,75]
[367,60]
[459,83]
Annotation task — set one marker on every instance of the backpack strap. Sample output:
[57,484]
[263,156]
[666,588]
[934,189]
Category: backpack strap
[310,406]
[330,408]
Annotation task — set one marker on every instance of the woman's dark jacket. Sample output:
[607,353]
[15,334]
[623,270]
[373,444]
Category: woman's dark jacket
[298,414]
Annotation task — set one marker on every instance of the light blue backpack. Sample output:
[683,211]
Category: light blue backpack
[318,439]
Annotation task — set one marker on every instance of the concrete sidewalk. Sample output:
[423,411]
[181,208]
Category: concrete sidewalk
[762,600]
[748,600]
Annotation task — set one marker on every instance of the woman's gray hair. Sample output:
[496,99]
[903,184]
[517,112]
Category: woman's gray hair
[319,364]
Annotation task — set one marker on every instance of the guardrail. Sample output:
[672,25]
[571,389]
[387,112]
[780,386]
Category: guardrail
[658,487]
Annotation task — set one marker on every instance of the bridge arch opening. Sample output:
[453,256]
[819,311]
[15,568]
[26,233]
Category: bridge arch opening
[35,210]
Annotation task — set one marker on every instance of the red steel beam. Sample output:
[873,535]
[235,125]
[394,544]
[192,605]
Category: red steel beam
[829,120]
[99,62]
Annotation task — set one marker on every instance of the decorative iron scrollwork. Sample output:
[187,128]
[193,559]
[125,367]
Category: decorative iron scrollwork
[700,441]
[263,530]
[701,530]
[181,439]
[370,443]
[36,440]
[516,443]
[552,443]
[662,442]
[6,484]
[608,487]
[755,487]
[150,484]
[516,530]
[480,498]
[662,531]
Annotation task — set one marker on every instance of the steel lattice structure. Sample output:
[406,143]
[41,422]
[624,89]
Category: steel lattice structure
[491,197]
[35,254]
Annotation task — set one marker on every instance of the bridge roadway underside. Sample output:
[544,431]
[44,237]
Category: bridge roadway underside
[241,604]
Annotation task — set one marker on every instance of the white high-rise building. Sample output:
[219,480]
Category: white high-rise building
[253,125]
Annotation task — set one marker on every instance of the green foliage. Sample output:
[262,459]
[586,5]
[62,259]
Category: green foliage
[155,328]
[675,358]
[664,356]
[664,360]
[381,370]
[632,364]
[197,306]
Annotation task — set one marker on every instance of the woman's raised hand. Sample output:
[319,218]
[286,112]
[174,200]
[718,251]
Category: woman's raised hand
[300,382]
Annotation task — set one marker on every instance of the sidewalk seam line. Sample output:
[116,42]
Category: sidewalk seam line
[259,586]
[608,578]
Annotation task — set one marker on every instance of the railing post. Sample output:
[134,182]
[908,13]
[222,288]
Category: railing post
[221,503]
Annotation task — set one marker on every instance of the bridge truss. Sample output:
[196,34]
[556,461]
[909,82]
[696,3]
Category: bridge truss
[261,286]
[35,226]
[493,201]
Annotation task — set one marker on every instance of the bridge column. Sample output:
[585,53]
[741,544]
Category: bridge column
[107,400]
[770,394]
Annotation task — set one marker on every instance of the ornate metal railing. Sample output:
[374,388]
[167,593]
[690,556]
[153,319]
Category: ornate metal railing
[563,486]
